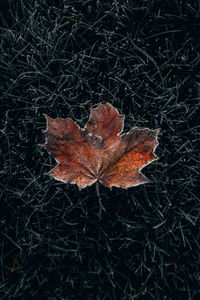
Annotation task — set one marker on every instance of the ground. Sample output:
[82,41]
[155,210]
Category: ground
[62,58]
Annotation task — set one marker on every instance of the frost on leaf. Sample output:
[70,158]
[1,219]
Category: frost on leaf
[100,152]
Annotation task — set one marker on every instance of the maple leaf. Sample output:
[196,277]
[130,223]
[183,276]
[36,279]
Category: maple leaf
[99,152]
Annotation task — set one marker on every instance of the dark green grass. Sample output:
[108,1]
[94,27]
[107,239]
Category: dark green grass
[62,58]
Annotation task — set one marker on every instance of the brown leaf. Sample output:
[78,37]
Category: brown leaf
[99,152]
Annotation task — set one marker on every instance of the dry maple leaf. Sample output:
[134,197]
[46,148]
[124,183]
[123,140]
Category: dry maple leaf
[99,152]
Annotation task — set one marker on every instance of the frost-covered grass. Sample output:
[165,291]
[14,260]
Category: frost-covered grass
[62,58]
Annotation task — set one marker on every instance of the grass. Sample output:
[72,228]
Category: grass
[62,58]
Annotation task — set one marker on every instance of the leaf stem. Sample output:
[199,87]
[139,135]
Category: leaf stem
[99,198]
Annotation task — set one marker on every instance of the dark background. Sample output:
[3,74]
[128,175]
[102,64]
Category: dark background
[62,58]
